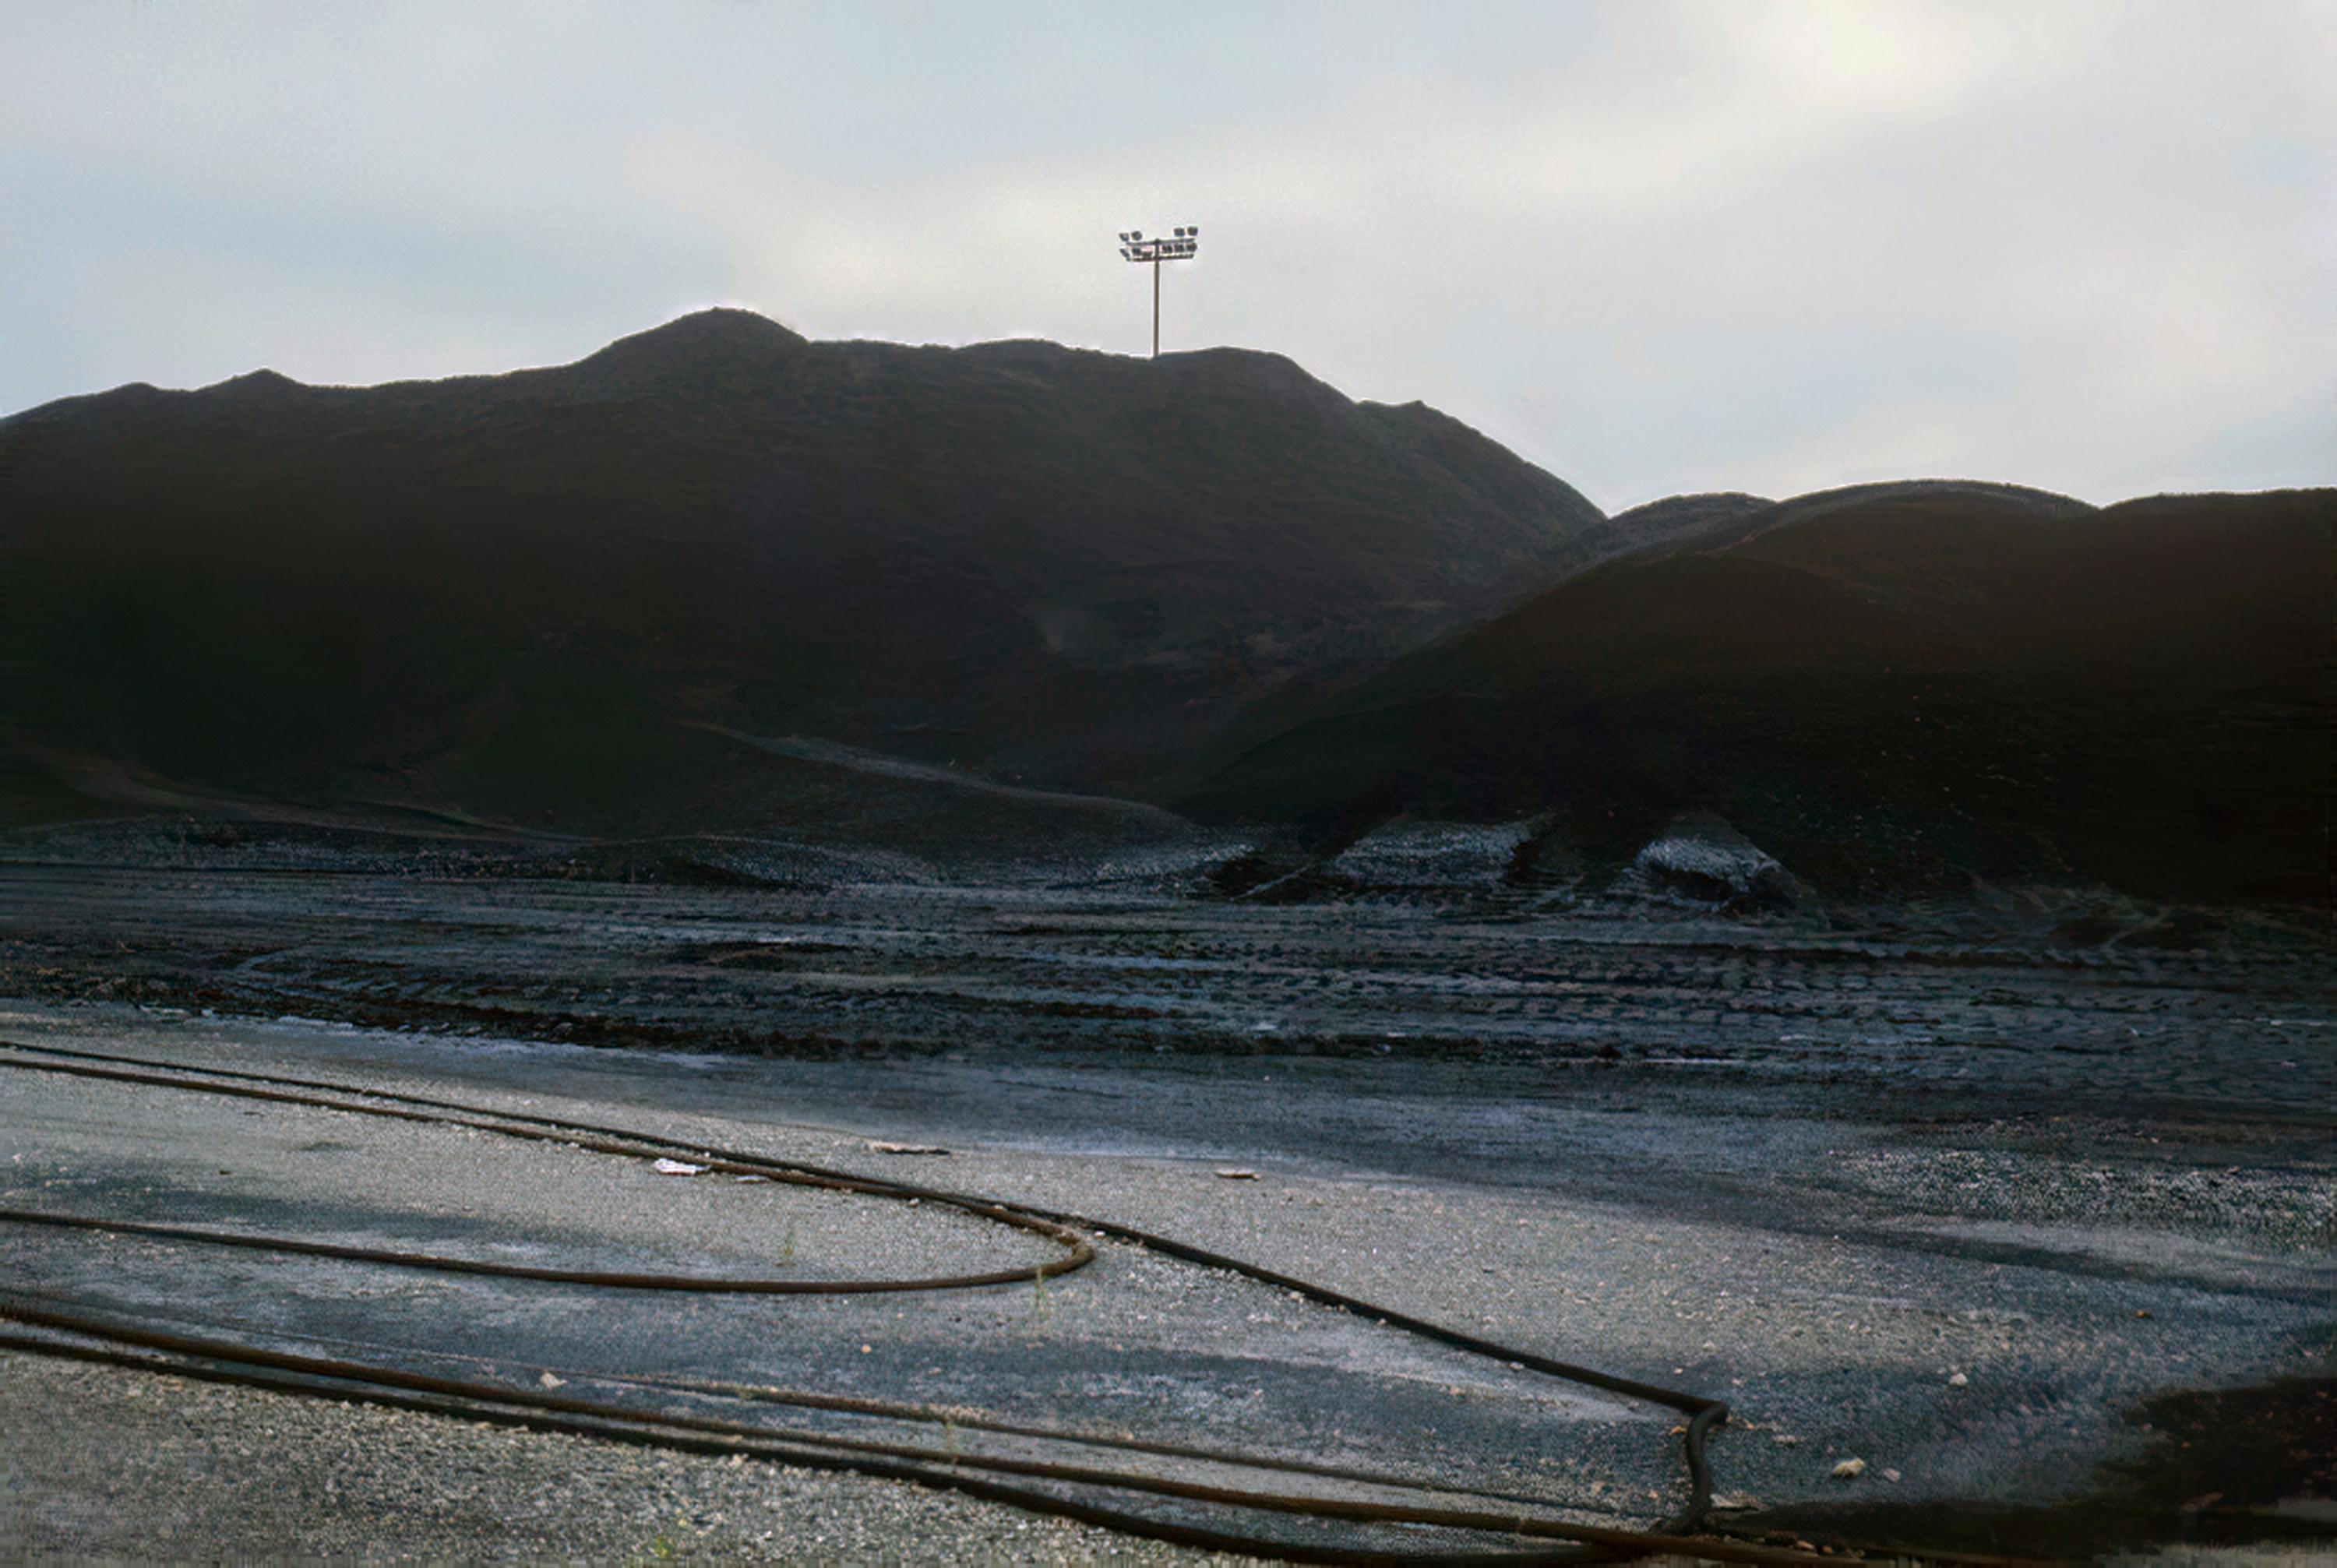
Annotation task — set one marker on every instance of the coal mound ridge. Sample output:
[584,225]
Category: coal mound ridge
[1890,690]
[511,594]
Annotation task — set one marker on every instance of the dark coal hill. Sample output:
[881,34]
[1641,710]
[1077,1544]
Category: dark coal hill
[1890,687]
[516,595]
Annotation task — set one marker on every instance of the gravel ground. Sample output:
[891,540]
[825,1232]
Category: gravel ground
[1133,1342]
[162,1468]
[1956,1205]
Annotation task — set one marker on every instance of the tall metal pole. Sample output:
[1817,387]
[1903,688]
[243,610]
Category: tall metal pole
[1178,246]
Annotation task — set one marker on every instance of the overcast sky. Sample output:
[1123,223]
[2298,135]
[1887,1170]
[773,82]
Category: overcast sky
[1653,247]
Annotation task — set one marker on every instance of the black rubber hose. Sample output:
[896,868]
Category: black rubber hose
[475,1393]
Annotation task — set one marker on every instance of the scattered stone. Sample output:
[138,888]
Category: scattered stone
[1850,1470]
[677,1168]
[1958,1381]
[550,1381]
[1428,856]
[1701,857]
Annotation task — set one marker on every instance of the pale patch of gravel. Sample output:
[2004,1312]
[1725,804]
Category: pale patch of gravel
[102,1463]
[2289,1208]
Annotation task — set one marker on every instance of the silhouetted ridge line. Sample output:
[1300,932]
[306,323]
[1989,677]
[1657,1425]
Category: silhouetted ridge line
[512,596]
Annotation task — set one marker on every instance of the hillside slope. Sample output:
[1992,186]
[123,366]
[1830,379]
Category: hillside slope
[1888,688]
[503,594]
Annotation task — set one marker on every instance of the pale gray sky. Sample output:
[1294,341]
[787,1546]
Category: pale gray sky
[1654,247]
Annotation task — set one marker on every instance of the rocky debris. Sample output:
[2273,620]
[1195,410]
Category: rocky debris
[1702,857]
[1410,853]
[1405,857]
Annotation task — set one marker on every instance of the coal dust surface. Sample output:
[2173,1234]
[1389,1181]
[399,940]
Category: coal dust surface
[1966,1197]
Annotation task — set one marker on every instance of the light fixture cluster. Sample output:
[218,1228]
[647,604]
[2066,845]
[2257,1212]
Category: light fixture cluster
[1178,246]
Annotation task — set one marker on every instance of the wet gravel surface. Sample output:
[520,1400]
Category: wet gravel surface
[168,1470]
[1132,1343]
[1952,1200]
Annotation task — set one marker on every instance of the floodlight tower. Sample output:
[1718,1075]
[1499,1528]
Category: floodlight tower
[1179,247]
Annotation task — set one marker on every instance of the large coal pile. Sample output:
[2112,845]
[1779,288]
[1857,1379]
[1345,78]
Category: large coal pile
[500,593]
[1889,688]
